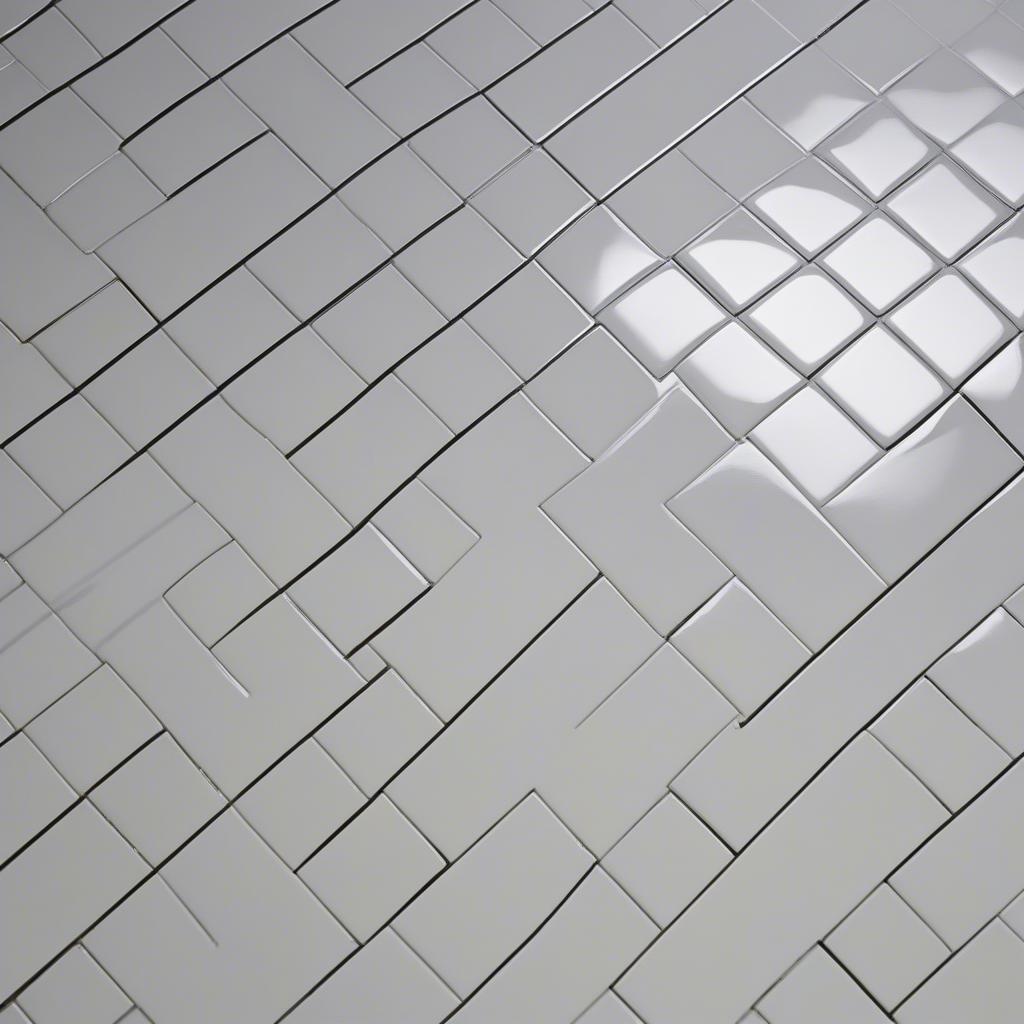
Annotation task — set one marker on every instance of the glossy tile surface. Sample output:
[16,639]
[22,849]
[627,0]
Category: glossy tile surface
[511,511]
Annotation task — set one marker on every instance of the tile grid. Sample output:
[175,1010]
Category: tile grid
[898,567]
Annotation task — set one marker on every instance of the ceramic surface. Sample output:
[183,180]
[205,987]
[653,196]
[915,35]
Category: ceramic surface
[511,511]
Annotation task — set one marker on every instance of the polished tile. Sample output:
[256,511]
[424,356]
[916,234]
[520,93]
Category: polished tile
[738,260]
[882,385]
[879,263]
[510,511]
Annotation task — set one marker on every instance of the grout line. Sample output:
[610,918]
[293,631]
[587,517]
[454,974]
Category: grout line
[451,721]
[80,798]
[229,804]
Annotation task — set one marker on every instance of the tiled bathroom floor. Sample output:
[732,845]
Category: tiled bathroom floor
[512,512]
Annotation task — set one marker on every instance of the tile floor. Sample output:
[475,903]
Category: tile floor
[512,511]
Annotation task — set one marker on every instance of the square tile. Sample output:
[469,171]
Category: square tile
[816,989]
[594,392]
[75,988]
[409,90]
[994,152]
[528,320]
[882,385]
[879,263]
[597,258]
[92,728]
[665,860]
[997,390]
[70,451]
[425,530]
[887,946]
[378,324]
[808,319]
[809,206]
[945,97]
[531,201]
[815,444]
[300,802]
[740,149]
[470,145]
[370,869]
[740,646]
[878,43]
[379,731]
[738,378]
[457,376]
[810,97]
[940,744]
[996,48]
[458,261]
[304,365]
[662,319]
[994,267]
[951,325]
[399,197]
[946,209]
[670,203]
[877,150]
[482,43]
[357,589]
[738,260]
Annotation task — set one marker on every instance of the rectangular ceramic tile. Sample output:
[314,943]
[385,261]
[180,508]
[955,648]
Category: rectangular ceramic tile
[45,273]
[490,900]
[520,724]
[601,923]
[614,511]
[459,433]
[372,448]
[34,794]
[839,838]
[75,986]
[372,868]
[158,799]
[193,136]
[385,981]
[623,754]
[40,657]
[93,728]
[298,114]
[984,980]
[671,95]
[970,870]
[357,589]
[976,457]
[887,947]
[235,208]
[254,490]
[222,953]
[745,776]
[546,91]
[796,563]
[73,875]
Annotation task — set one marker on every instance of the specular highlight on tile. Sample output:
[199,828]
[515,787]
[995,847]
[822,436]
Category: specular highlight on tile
[511,511]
